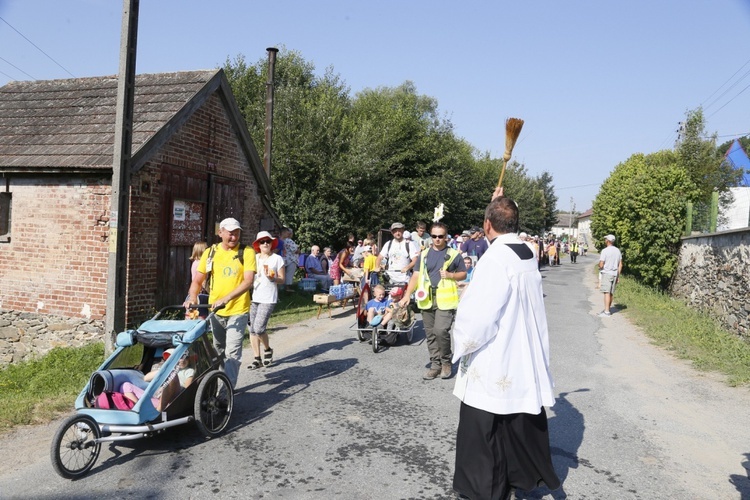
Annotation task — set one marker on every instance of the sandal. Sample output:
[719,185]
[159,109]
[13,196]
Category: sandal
[267,357]
[255,364]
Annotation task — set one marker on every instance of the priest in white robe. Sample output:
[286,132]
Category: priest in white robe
[504,380]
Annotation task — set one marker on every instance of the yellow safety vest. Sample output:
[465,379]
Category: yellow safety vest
[446,292]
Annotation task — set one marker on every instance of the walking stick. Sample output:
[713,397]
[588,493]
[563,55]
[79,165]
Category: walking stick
[513,128]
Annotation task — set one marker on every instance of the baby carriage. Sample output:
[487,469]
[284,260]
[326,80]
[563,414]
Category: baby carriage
[154,359]
[401,325]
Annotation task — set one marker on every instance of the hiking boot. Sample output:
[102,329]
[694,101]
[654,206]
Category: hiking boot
[431,374]
[446,371]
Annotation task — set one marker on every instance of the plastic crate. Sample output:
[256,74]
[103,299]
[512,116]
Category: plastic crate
[308,284]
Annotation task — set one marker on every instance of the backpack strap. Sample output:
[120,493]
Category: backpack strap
[210,263]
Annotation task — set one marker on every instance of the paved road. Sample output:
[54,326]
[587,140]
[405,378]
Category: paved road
[333,420]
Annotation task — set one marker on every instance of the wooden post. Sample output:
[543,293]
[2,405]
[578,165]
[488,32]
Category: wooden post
[714,211]
[689,219]
[118,219]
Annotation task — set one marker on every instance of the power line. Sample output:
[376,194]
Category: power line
[727,90]
[728,80]
[19,69]
[730,100]
[37,48]
[581,186]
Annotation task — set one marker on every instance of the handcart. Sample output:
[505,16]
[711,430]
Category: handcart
[378,333]
[166,350]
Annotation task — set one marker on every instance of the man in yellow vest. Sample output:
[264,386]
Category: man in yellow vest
[434,283]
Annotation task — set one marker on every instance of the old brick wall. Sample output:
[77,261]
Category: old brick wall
[206,143]
[713,275]
[56,261]
[54,270]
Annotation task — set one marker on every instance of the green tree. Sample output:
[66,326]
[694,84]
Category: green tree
[309,140]
[643,204]
[699,156]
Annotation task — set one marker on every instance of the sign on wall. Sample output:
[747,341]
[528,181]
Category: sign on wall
[188,221]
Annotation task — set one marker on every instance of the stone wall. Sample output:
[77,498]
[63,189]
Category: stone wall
[25,335]
[713,275]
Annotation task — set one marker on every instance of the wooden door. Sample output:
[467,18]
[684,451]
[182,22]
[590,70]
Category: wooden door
[192,206]
[227,200]
[183,221]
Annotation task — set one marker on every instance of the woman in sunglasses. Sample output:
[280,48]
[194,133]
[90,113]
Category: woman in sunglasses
[265,295]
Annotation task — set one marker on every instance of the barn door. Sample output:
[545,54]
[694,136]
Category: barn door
[184,209]
[227,200]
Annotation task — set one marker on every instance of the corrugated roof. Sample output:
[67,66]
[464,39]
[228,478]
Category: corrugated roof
[69,124]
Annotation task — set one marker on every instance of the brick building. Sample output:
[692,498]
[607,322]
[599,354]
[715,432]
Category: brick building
[193,163]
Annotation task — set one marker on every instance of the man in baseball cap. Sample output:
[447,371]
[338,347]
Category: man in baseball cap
[397,255]
[228,275]
[230,224]
[610,267]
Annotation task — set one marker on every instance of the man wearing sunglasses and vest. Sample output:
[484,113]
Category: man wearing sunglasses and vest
[437,271]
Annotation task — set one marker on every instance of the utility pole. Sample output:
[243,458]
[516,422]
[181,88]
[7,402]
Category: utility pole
[118,219]
[570,220]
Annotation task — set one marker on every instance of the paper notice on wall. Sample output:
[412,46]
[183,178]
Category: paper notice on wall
[178,210]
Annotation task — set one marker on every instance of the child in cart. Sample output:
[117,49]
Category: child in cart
[378,310]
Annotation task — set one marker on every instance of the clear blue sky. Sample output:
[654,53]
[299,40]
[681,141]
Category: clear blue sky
[594,81]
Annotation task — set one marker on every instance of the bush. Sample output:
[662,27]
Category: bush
[643,204]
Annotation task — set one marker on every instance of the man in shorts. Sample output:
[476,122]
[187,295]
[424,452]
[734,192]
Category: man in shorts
[610,265]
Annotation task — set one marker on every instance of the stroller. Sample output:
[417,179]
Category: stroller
[160,348]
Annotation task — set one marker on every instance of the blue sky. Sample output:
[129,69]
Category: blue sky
[595,82]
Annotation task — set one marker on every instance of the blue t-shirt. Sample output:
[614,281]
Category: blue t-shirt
[380,306]
[469,274]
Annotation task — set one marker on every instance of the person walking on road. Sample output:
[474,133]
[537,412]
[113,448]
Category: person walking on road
[610,265]
[438,270]
[504,379]
[229,269]
[271,273]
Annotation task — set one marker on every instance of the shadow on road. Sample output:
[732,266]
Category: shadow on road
[287,377]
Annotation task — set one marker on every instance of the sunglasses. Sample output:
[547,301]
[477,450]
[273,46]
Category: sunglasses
[264,242]
[437,236]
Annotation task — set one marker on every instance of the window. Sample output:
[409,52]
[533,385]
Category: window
[5,216]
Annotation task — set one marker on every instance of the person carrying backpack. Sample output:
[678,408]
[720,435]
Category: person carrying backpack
[228,269]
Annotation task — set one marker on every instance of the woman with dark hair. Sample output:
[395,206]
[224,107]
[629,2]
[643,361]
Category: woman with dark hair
[342,264]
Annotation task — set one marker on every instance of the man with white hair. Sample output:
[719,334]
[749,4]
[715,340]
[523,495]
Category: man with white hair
[610,265]
[314,268]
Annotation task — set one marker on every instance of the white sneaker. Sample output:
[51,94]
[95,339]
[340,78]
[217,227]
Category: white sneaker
[604,314]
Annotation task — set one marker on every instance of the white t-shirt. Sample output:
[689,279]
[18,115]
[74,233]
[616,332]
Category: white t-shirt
[399,255]
[611,257]
[265,290]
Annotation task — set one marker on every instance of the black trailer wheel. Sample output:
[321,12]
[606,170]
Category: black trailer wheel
[361,335]
[75,446]
[213,403]
[375,339]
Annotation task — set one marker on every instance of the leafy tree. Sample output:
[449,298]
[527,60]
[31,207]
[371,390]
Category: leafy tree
[643,204]
[343,164]
[699,156]
[309,139]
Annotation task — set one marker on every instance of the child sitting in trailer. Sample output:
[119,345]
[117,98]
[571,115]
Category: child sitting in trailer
[377,308]
[172,386]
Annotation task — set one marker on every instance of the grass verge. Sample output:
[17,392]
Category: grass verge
[686,332]
[37,391]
